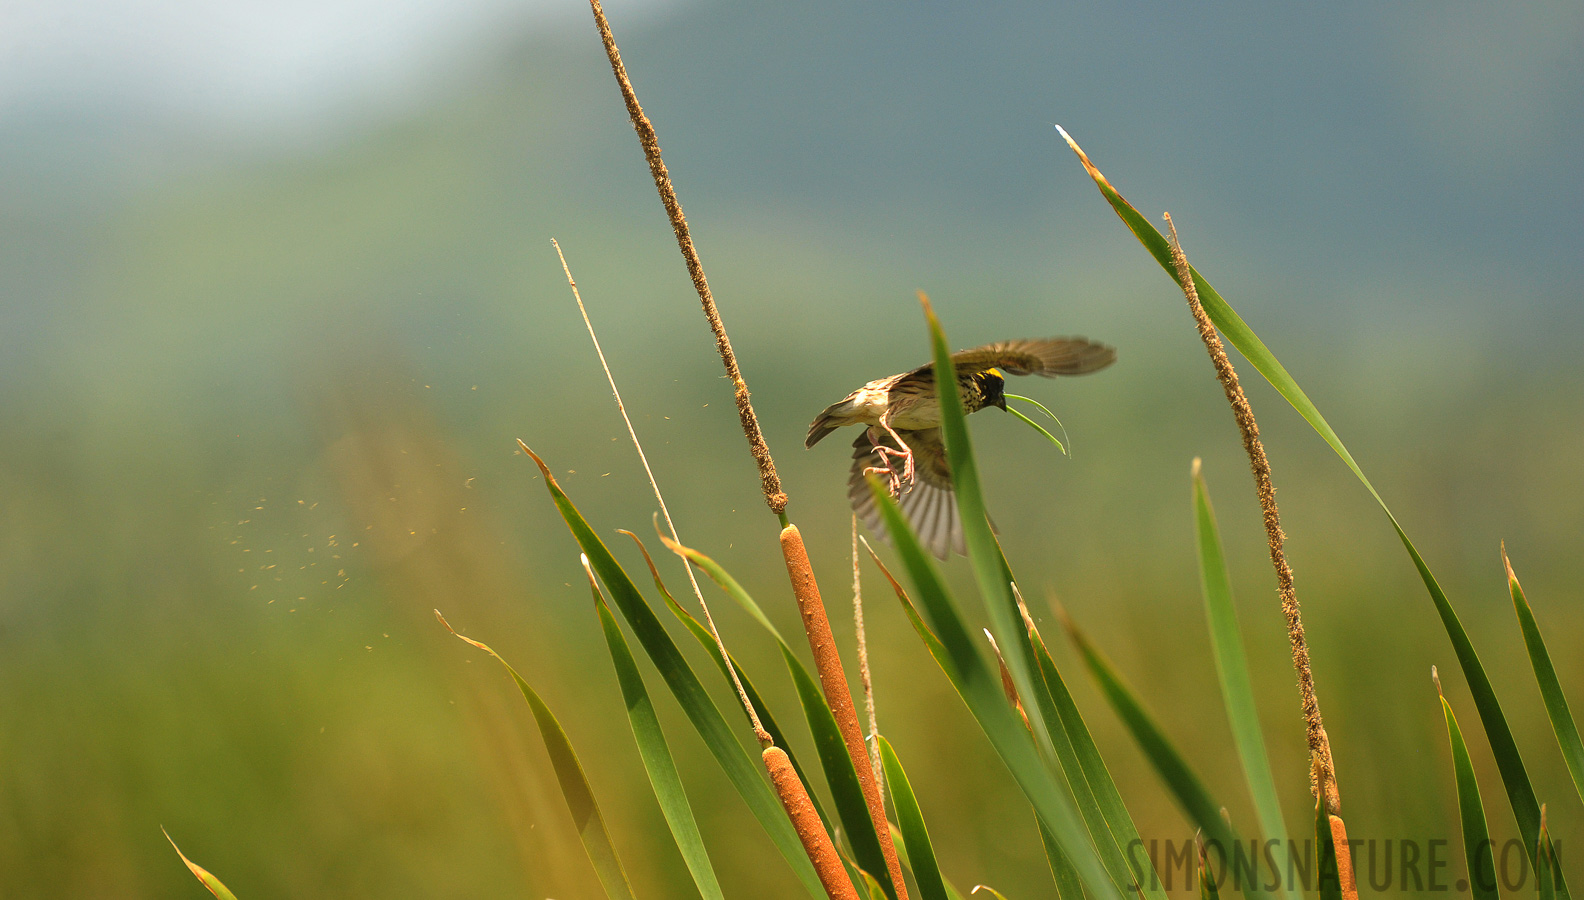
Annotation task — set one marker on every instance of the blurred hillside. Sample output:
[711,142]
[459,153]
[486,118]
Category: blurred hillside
[261,389]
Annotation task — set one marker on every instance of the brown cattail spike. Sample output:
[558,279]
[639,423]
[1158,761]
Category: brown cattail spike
[833,682]
[816,843]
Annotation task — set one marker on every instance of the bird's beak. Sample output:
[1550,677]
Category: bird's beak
[1001,403]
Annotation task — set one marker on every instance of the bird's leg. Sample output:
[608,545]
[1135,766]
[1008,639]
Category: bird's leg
[906,453]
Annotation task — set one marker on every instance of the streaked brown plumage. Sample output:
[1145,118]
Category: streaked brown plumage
[903,417]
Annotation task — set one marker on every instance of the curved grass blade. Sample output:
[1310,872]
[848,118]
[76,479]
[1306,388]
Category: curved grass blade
[766,718]
[1226,640]
[1520,791]
[1476,836]
[199,872]
[980,689]
[1567,733]
[1042,408]
[745,775]
[1190,792]
[656,755]
[989,890]
[926,872]
[1040,428]
[840,775]
[574,784]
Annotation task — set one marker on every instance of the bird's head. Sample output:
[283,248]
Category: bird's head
[994,388]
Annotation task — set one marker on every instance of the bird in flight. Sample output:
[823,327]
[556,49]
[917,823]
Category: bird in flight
[903,439]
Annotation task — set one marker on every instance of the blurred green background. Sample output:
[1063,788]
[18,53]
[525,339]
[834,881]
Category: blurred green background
[277,294]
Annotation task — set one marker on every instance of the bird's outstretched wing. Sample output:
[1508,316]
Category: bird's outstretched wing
[1037,356]
[929,503]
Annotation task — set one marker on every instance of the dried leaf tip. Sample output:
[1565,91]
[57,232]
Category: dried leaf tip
[1198,464]
[1436,677]
[1512,578]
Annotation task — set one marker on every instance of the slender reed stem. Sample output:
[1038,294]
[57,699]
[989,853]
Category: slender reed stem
[1322,774]
[760,733]
[769,482]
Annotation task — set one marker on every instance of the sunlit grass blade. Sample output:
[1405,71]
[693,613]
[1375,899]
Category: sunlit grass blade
[989,567]
[980,688]
[1040,428]
[1110,825]
[766,718]
[1520,791]
[574,784]
[745,775]
[199,872]
[840,774]
[910,819]
[656,755]
[1471,812]
[1226,642]
[1068,887]
[1202,810]
[1567,733]
[988,890]
[1042,408]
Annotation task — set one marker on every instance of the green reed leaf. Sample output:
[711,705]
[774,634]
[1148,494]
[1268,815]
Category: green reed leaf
[980,688]
[1567,733]
[575,788]
[1476,836]
[926,872]
[745,774]
[656,756]
[1226,642]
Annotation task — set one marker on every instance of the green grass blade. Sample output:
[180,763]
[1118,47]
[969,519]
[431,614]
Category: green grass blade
[1476,836]
[1068,887]
[745,774]
[574,784]
[766,718]
[1099,802]
[988,564]
[1226,641]
[989,890]
[1042,408]
[910,819]
[1202,810]
[657,758]
[1040,428]
[199,872]
[980,688]
[840,775]
[1567,733]
[907,862]
[1520,791]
